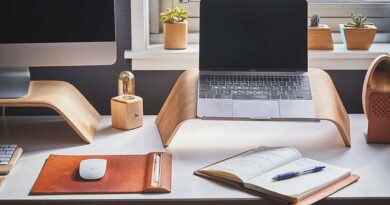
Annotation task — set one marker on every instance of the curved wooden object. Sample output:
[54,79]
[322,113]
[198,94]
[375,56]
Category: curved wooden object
[377,79]
[376,100]
[328,104]
[181,104]
[66,100]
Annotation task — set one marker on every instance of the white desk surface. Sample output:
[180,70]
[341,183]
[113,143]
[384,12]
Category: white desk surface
[197,144]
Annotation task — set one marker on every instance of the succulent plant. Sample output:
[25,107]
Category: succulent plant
[174,15]
[315,20]
[358,21]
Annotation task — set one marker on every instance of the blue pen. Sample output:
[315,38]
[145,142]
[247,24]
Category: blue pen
[289,175]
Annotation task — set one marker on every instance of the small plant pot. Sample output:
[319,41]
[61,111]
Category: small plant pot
[319,38]
[358,38]
[175,35]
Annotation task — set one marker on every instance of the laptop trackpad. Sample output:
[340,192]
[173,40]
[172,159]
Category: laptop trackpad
[256,108]
[297,109]
[214,107]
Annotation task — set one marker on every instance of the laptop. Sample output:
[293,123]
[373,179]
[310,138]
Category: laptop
[253,60]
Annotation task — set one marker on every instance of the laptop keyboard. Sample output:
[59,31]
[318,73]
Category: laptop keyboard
[248,87]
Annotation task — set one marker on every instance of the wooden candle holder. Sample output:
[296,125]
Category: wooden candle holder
[127,114]
[376,100]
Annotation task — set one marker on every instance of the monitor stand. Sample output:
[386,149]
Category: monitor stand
[14,82]
[63,98]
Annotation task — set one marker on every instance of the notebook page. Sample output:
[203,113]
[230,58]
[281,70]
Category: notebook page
[257,161]
[300,186]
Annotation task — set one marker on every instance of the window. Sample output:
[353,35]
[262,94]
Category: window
[332,12]
[147,52]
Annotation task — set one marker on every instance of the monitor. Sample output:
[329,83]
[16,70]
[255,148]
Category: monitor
[253,35]
[57,33]
[49,33]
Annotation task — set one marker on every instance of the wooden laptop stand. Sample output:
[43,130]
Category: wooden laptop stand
[181,104]
[66,100]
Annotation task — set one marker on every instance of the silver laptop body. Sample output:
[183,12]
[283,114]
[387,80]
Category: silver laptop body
[252,66]
[255,95]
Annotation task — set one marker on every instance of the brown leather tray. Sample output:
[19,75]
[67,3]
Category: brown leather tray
[124,174]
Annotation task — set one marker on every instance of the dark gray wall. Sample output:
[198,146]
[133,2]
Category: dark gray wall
[349,84]
[99,83]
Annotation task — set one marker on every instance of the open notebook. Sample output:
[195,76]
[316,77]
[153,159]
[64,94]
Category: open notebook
[255,169]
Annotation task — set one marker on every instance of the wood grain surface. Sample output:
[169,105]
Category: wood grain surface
[5,169]
[319,38]
[376,81]
[359,38]
[376,100]
[66,100]
[127,114]
[182,102]
[175,35]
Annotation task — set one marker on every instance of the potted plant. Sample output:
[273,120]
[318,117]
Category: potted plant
[358,34]
[175,28]
[318,35]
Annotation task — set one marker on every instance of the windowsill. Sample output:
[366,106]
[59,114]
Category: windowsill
[157,58]
[341,52]
[157,51]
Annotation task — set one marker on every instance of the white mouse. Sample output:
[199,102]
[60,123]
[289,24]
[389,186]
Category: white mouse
[92,169]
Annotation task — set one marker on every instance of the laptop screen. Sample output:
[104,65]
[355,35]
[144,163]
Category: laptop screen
[253,35]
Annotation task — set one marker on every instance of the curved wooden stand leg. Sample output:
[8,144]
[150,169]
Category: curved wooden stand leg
[328,104]
[66,100]
[181,104]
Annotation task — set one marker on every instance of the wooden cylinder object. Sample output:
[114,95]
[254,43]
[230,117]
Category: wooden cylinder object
[127,114]
[319,38]
[358,38]
[175,35]
[376,100]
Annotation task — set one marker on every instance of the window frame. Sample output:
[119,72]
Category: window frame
[331,14]
[147,56]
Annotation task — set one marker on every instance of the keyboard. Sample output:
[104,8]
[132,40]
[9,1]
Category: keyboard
[6,153]
[251,87]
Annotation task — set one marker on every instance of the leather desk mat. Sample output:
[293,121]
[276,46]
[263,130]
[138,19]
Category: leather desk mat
[124,174]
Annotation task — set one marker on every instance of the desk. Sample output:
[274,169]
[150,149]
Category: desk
[197,143]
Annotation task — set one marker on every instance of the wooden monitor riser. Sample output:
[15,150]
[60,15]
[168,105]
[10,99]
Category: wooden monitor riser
[182,100]
[66,100]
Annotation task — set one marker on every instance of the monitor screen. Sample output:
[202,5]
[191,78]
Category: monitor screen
[258,35]
[57,32]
